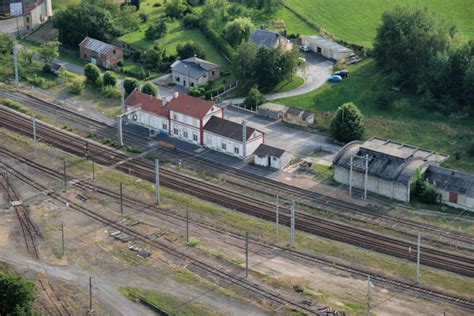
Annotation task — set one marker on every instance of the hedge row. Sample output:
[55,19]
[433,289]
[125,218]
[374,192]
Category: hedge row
[216,39]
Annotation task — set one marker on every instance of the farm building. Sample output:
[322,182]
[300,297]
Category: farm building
[391,166]
[228,137]
[268,156]
[456,188]
[100,53]
[194,72]
[327,48]
[270,39]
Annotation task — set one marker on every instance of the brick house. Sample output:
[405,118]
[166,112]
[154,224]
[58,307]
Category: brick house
[99,53]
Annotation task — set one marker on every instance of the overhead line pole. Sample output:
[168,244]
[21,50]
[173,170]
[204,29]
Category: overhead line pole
[246,254]
[15,65]
[369,294]
[292,229]
[277,219]
[64,174]
[418,248]
[366,175]
[157,180]
[350,175]
[121,201]
[33,118]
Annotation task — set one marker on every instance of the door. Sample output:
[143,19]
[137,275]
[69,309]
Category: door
[453,197]
[93,61]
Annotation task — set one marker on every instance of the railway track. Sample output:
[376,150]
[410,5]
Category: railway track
[197,187]
[204,267]
[305,197]
[141,207]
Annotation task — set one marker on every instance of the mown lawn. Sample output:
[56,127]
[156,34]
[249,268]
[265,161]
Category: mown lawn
[283,86]
[356,20]
[404,120]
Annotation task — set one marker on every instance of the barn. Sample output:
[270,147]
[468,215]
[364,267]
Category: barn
[382,166]
[456,188]
[327,48]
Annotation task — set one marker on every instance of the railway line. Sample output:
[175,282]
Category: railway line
[197,187]
[304,197]
[141,207]
[204,267]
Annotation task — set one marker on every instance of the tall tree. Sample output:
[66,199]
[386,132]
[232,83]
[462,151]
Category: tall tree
[6,44]
[243,63]
[49,51]
[16,295]
[238,30]
[130,84]
[92,73]
[346,125]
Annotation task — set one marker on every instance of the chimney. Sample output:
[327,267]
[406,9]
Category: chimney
[176,94]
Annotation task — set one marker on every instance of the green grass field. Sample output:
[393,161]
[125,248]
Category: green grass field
[357,20]
[403,121]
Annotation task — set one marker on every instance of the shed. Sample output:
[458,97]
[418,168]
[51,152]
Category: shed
[268,156]
[273,111]
[456,188]
[327,47]
[55,68]
[299,116]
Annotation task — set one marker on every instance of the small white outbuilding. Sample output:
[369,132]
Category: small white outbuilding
[327,48]
[268,156]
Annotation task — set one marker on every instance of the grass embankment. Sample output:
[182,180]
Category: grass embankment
[356,20]
[284,86]
[404,120]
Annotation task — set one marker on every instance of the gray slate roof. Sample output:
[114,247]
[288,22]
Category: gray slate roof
[265,150]
[195,67]
[451,180]
[388,160]
[227,128]
[265,38]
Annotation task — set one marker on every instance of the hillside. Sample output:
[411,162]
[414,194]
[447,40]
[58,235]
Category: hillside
[356,20]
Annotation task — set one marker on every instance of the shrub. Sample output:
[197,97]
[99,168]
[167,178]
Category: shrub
[424,190]
[193,242]
[216,39]
[402,105]
[156,31]
[110,92]
[46,69]
[109,78]
[150,89]
[129,85]
[176,8]
[17,295]
[92,73]
[254,99]
[76,87]
[346,124]
[143,17]
[191,21]
[190,49]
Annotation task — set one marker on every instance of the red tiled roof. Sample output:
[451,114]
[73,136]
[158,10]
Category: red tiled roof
[191,106]
[147,102]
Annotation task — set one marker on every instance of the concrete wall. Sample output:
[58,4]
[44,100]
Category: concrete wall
[261,161]
[390,189]
[464,202]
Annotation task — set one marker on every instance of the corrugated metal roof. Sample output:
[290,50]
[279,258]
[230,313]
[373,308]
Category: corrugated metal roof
[97,46]
[451,180]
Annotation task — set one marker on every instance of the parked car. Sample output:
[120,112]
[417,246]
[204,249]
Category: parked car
[335,78]
[343,73]
[304,48]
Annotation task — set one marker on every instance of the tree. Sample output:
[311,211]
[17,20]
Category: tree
[135,3]
[49,51]
[176,8]
[156,31]
[190,49]
[254,98]
[6,44]
[346,125]
[191,21]
[423,189]
[238,30]
[109,79]
[265,5]
[17,295]
[153,57]
[149,88]
[468,95]
[130,84]
[129,20]
[92,73]
[243,62]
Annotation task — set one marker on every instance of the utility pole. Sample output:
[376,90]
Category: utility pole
[157,180]
[277,219]
[90,294]
[369,295]
[122,97]
[350,175]
[292,232]
[62,239]
[244,139]
[120,132]
[33,118]
[366,175]
[93,170]
[418,246]
[64,174]
[121,200]
[8,189]
[246,254]
[187,226]
[15,65]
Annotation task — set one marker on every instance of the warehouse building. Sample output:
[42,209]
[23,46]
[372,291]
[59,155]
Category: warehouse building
[456,188]
[382,166]
[327,48]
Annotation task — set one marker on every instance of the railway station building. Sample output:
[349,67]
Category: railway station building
[388,165]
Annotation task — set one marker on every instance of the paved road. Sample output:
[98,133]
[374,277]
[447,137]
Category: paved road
[103,288]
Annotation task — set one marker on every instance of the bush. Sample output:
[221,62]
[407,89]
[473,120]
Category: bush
[17,295]
[216,39]
[254,99]
[191,21]
[346,125]
[156,31]
[424,190]
[92,73]
[143,17]
[76,87]
[46,69]
[130,84]
[110,92]
[176,8]
[190,49]
[149,88]
[109,78]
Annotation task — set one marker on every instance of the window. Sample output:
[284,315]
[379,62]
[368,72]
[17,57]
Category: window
[27,20]
[213,72]
[175,116]
[274,159]
[224,146]
[113,51]
[192,84]
[236,150]
[85,55]
[175,131]
[165,126]
[195,137]
[205,76]
[177,79]
[185,134]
